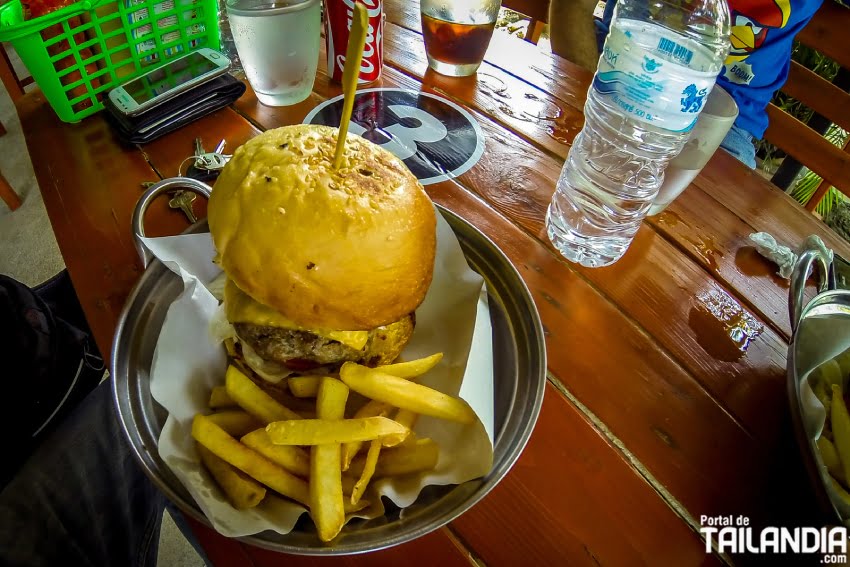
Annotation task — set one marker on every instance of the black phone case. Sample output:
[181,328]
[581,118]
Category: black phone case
[175,113]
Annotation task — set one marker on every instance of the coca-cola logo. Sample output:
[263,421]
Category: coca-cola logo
[436,139]
[373,7]
[372,54]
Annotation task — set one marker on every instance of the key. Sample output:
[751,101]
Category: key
[212,161]
[183,200]
[199,153]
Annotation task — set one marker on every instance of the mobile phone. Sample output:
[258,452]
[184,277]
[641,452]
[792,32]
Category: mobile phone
[177,76]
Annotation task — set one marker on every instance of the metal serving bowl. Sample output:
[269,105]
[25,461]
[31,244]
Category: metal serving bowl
[519,364]
[805,348]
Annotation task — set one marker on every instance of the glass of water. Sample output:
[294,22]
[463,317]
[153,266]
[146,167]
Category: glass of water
[278,44]
[714,122]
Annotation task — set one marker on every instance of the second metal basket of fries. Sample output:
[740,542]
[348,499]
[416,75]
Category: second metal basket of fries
[519,374]
[819,379]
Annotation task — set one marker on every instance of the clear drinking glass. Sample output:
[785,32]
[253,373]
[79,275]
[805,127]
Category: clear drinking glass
[714,122]
[457,33]
[278,44]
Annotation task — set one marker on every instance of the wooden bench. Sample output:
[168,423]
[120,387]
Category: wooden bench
[537,12]
[825,33]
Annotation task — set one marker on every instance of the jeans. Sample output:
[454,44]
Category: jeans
[739,143]
[81,498]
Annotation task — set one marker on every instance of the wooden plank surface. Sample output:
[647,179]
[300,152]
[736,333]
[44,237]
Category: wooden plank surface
[516,108]
[437,548]
[517,180]
[765,397]
[542,515]
[90,197]
[757,202]
[539,265]
[521,59]
[236,131]
[215,129]
[553,84]
[639,348]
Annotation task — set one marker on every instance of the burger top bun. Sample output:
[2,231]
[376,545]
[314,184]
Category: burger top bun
[349,249]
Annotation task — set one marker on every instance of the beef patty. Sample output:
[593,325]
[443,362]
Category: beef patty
[283,345]
[302,350]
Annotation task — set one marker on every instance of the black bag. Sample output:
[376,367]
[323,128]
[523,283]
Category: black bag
[48,359]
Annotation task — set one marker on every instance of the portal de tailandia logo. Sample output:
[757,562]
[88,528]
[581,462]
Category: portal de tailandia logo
[733,534]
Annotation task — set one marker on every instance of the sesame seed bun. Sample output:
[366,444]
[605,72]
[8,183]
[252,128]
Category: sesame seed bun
[348,249]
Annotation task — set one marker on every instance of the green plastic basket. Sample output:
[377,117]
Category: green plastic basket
[80,52]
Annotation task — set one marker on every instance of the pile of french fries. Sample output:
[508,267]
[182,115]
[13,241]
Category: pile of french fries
[317,456]
[827,382]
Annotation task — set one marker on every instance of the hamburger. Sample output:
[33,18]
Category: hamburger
[323,266]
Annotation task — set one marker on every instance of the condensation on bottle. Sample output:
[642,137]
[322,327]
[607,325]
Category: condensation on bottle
[659,62]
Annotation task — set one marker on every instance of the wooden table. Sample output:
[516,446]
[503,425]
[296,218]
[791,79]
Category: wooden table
[654,414]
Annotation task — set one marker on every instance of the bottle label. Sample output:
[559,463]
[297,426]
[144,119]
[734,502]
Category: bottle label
[648,73]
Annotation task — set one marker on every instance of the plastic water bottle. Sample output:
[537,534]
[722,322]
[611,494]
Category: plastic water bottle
[659,63]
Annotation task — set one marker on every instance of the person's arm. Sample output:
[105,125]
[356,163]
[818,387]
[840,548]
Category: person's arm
[572,31]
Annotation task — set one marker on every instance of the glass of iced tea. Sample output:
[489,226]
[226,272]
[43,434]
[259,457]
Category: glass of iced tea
[457,33]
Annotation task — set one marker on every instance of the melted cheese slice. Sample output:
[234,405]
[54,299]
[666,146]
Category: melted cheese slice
[242,308]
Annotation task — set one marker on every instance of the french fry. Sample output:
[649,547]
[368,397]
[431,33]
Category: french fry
[294,459]
[822,378]
[253,399]
[220,399]
[840,490]
[822,391]
[324,431]
[368,470]
[412,368]
[352,508]
[348,483]
[371,408]
[830,457]
[843,363]
[230,345]
[235,422]
[841,431]
[408,419]
[249,461]
[241,490]
[405,459]
[404,394]
[282,395]
[304,386]
[326,502]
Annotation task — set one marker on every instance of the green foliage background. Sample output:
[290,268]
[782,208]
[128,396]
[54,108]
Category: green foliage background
[807,182]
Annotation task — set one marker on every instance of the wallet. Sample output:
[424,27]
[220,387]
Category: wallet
[176,112]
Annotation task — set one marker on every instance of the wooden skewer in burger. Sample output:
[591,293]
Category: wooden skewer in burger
[326,262]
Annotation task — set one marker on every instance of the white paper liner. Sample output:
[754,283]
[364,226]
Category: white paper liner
[454,319]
